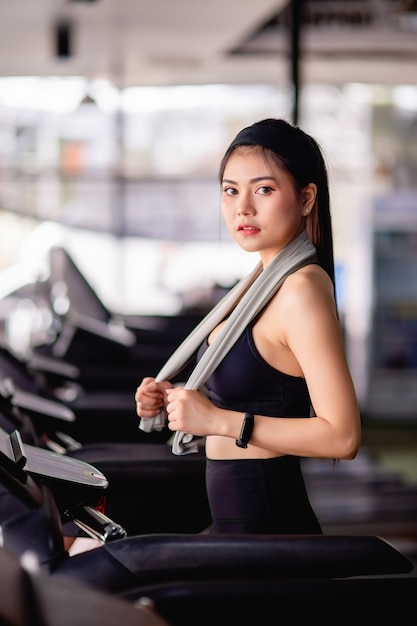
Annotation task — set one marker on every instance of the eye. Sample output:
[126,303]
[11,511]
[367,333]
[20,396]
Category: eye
[264,190]
[229,191]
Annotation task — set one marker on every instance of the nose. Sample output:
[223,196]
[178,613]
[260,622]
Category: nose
[244,204]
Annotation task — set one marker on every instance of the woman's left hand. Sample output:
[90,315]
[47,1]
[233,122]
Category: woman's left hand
[189,411]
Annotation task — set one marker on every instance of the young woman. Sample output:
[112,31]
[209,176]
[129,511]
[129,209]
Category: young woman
[284,389]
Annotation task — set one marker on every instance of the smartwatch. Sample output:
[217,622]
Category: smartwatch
[246,431]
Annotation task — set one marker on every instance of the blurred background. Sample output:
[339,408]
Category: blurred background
[114,115]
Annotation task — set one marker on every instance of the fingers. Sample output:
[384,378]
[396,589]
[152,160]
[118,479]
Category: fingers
[171,393]
[150,397]
[148,389]
[174,401]
[147,386]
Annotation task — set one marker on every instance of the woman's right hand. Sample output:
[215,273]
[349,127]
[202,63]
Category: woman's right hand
[150,397]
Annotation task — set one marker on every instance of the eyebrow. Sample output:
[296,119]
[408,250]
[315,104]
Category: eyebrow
[252,180]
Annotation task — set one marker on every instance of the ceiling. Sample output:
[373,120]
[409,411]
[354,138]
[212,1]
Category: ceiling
[164,42]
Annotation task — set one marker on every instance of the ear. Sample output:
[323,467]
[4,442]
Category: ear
[309,195]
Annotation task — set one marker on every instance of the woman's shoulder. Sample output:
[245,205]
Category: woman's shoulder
[305,289]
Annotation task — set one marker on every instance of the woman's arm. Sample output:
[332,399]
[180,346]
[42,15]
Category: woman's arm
[303,320]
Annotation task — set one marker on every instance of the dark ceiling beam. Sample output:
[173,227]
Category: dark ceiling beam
[295,56]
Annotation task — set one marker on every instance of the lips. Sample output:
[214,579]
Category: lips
[247,228]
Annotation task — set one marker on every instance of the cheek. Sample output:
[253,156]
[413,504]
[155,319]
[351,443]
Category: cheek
[284,219]
[291,211]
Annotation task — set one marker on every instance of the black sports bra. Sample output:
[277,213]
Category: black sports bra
[244,381]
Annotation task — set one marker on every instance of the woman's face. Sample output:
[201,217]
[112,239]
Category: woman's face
[260,204]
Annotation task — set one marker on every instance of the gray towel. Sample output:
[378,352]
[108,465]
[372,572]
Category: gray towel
[239,306]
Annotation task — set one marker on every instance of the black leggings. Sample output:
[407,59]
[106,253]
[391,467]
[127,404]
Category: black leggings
[262,496]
